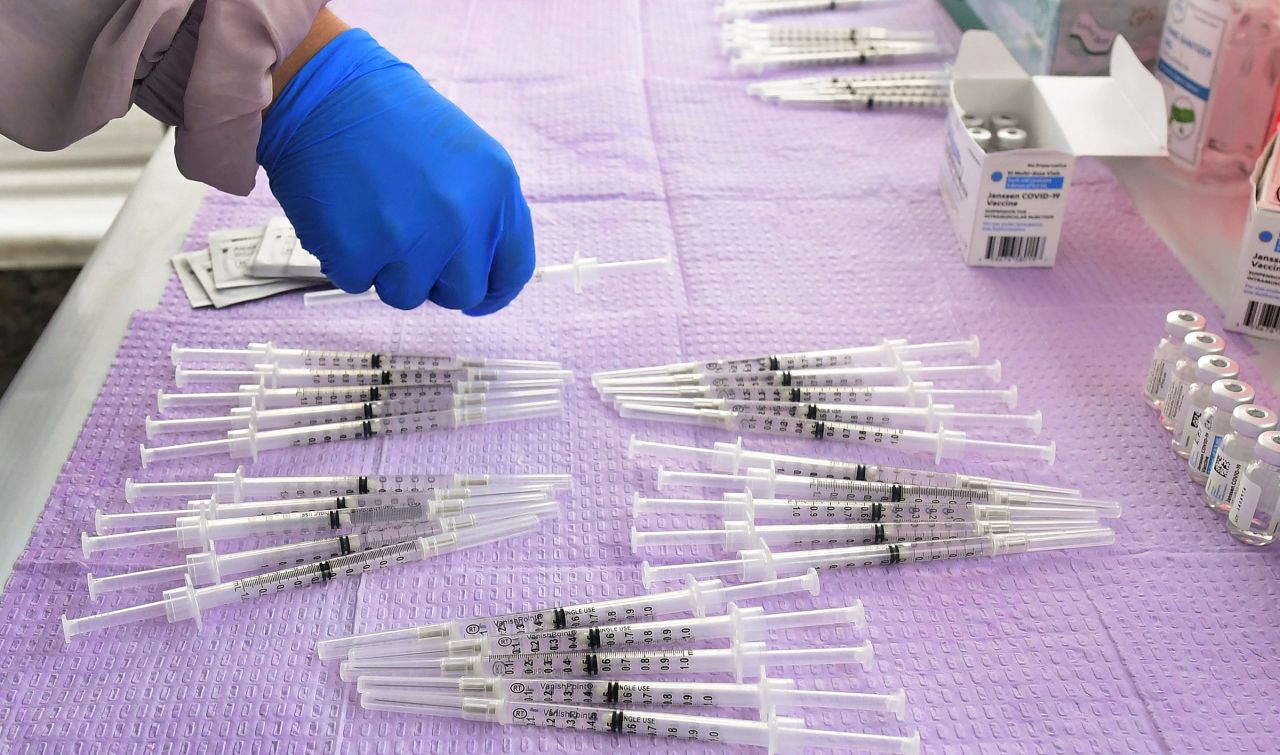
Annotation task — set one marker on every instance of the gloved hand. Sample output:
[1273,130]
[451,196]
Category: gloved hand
[389,184]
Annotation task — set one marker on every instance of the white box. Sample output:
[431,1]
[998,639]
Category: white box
[1254,303]
[1007,207]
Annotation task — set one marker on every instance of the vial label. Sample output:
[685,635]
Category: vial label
[1158,377]
[1173,401]
[1189,428]
[1224,476]
[1206,447]
[1245,506]
[1193,34]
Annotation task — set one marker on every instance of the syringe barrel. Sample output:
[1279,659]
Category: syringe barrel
[787,698]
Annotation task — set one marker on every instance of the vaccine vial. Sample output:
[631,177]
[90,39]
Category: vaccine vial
[973,121]
[1194,346]
[1208,369]
[1215,423]
[1177,324]
[981,137]
[1254,515]
[1004,121]
[1011,138]
[1247,423]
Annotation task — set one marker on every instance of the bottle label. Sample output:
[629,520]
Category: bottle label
[1188,426]
[1223,479]
[1173,400]
[1194,31]
[1206,447]
[1158,377]
[1247,514]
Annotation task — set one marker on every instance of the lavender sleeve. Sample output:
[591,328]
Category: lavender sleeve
[204,66]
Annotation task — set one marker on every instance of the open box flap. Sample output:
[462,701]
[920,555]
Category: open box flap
[1120,115]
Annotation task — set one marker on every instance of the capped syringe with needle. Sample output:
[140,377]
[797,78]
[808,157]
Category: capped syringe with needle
[887,352]
[742,534]
[235,487]
[191,603]
[582,272]
[762,563]
[275,376]
[742,33]
[777,734]
[241,418]
[738,625]
[823,377]
[745,660]
[448,394]
[251,442]
[734,458]
[329,359]
[746,507]
[763,695]
[769,484]
[942,444]
[210,566]
[913,393]
[697,598]
[928,417]
[876,51]
[214,508]
[200,531]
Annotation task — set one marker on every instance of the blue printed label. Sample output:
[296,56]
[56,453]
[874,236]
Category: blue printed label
[1036,183]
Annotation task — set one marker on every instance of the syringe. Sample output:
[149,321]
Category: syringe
[211,567]
[926,80]
[252,441]
[770,484]
[742,33]
[865,101]
[887,352]
[929,417]
[200,531]
[914,393]
[325,359]
[743,660]
[744,506]
[777,734]
[733,458]
[275,376]
[824,377]
[765,695]
[943,444]
[234,486]
[762,563]
[274,419]
[190,602]
[738,625]
[697,598]
[738,535]
[214,508]
[283,398]
[881,51]
[744,8]
[581,272]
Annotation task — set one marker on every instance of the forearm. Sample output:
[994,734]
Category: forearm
[326,26]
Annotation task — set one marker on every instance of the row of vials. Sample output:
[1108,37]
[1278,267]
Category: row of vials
[303,531]
[999,133]
[880,395]
[785,514]
[640,665]
[1230,443]
[273,398]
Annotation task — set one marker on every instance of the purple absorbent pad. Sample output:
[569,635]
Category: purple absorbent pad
[791,230]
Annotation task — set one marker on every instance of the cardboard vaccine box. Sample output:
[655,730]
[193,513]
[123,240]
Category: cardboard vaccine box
[1007,206]
[1253,306]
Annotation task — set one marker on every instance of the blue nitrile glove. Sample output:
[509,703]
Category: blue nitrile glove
[389,184]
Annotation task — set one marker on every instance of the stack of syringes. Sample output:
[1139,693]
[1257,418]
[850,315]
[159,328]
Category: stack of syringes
[748,8]
[753,47]
[592,667]
[281,398]
[844,515]
[877,395]
[363,523]
[899,89]
[581,272]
